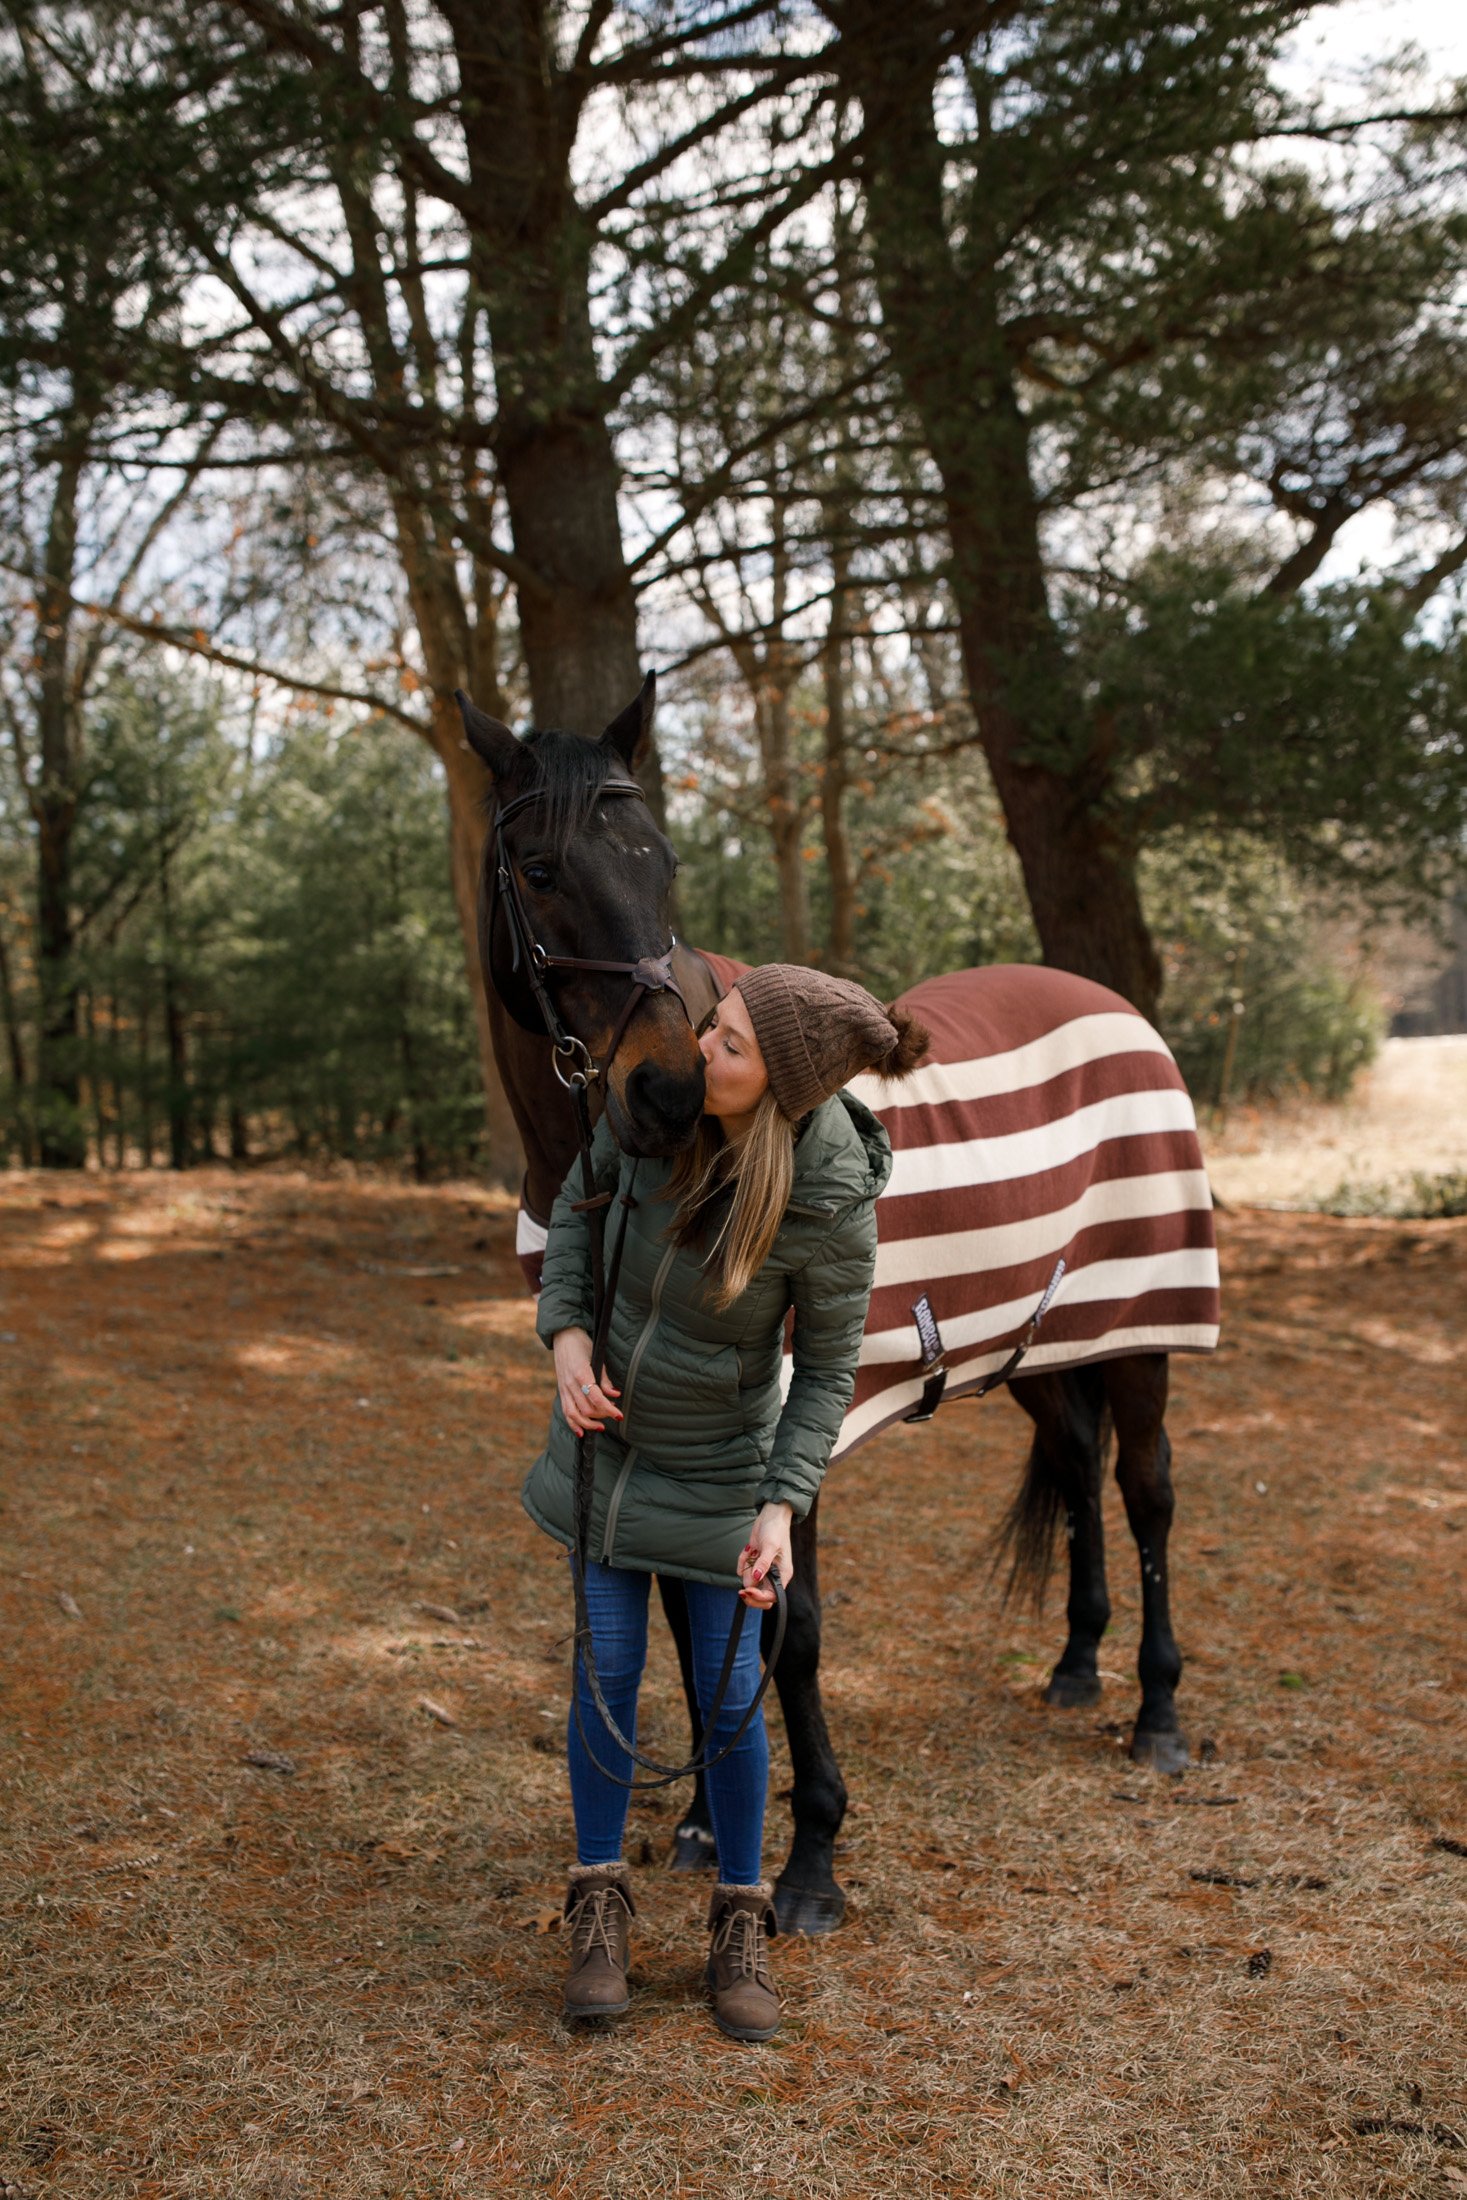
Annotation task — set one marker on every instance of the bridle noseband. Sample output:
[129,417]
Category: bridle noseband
[572,1059]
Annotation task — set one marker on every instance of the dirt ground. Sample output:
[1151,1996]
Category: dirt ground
[281,1712]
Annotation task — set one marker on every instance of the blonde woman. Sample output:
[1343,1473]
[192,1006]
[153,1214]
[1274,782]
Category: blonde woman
[700,1470]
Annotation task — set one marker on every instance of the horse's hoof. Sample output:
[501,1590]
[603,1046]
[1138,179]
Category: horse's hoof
[1070,1690]
[693,1848]
[1164,1749]
[810,1910]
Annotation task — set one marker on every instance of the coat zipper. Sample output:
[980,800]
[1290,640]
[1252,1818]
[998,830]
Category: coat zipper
[613,1509]
[647,1328]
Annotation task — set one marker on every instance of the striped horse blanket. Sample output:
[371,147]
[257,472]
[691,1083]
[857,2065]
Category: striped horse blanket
[1049,1124]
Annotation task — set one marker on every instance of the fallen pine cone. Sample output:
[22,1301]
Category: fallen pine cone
[265,1760]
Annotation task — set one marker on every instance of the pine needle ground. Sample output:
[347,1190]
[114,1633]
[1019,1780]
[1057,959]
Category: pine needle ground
[284,1826]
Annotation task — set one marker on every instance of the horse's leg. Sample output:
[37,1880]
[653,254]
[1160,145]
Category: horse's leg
[1137,1389]
[693,1846]
[807,1898]
[1063,1474]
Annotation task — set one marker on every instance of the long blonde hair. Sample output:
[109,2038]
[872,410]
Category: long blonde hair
[761,1169]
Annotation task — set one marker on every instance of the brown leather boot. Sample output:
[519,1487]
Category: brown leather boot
[745,2004]
[598,1912]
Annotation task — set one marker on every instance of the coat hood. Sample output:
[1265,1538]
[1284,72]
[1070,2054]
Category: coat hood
[842,1154]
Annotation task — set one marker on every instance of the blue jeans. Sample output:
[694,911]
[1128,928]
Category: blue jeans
[737,1787]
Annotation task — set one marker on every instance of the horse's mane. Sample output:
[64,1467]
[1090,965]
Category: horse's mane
[570,769]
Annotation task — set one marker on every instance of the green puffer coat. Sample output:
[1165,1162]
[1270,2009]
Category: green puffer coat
[705,1441]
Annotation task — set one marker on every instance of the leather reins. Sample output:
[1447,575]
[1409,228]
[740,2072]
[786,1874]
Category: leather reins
[577,1072]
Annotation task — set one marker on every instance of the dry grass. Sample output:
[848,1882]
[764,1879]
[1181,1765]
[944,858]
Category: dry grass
[252,1428]
[1407,1115]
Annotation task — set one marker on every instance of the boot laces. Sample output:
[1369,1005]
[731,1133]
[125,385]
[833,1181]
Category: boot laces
[741,1934]
[590,1921]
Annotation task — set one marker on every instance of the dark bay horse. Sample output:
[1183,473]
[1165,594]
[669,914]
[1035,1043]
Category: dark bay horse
[592,876]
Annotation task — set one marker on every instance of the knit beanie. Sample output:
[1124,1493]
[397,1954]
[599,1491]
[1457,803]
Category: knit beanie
[816,1032]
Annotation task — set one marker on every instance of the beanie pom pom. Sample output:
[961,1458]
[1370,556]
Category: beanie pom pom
[910,1045]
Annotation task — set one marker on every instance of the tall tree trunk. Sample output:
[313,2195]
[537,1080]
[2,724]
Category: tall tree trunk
[92,1067]
[15,1051]
[145,1087]
[173,1029]
[460,653]
[782,789]
[53,795]
[840,944]
[769,675]
[406,1047]
[466,783]
[529,267]
[531,258]
[458,640]
[782,800]
[942,323]
[119,1088]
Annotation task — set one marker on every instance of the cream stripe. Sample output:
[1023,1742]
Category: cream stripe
[898,1397]
[1192,1268]
[1006,1245]
[530,1236]
[1083,1039]
[1011,1154]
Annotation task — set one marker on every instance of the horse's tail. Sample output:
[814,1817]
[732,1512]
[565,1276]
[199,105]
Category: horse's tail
[1067,1452]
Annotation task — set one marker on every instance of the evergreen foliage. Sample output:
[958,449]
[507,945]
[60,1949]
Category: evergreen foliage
[1253,1008]
[268,959]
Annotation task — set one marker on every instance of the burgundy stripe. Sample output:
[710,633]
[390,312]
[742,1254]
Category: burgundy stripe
[1186,1228]
[1097,1353]
[1031,1107]
[1079,1325]
[959,1207]
[971,1013]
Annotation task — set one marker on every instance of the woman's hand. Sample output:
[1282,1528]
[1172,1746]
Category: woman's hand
[585,1403]
[768,1545]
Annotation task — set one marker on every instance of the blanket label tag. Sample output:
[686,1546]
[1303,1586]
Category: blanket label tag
[929,1336]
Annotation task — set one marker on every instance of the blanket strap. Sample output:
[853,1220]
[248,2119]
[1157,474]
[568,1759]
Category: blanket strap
[934,1358]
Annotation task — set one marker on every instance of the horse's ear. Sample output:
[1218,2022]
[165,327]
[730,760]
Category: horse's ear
[630,734]
[490,741]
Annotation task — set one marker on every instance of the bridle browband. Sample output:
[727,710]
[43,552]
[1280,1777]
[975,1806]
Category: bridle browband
[652,974]
[572,1060]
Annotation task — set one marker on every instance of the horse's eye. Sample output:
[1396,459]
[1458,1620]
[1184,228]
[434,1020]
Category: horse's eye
[537,876]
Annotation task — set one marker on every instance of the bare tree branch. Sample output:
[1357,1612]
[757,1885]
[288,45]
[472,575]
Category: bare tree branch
[196,643]
[1418,594]
[91,650]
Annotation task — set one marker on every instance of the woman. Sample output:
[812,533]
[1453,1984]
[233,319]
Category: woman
[700,1472]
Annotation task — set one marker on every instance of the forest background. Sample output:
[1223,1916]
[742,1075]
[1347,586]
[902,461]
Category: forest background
[1029,439]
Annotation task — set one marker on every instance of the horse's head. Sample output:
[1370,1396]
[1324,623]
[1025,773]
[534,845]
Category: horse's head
[589,878]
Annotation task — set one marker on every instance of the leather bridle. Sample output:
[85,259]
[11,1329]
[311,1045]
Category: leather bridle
[572,1059]
[577,1072]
